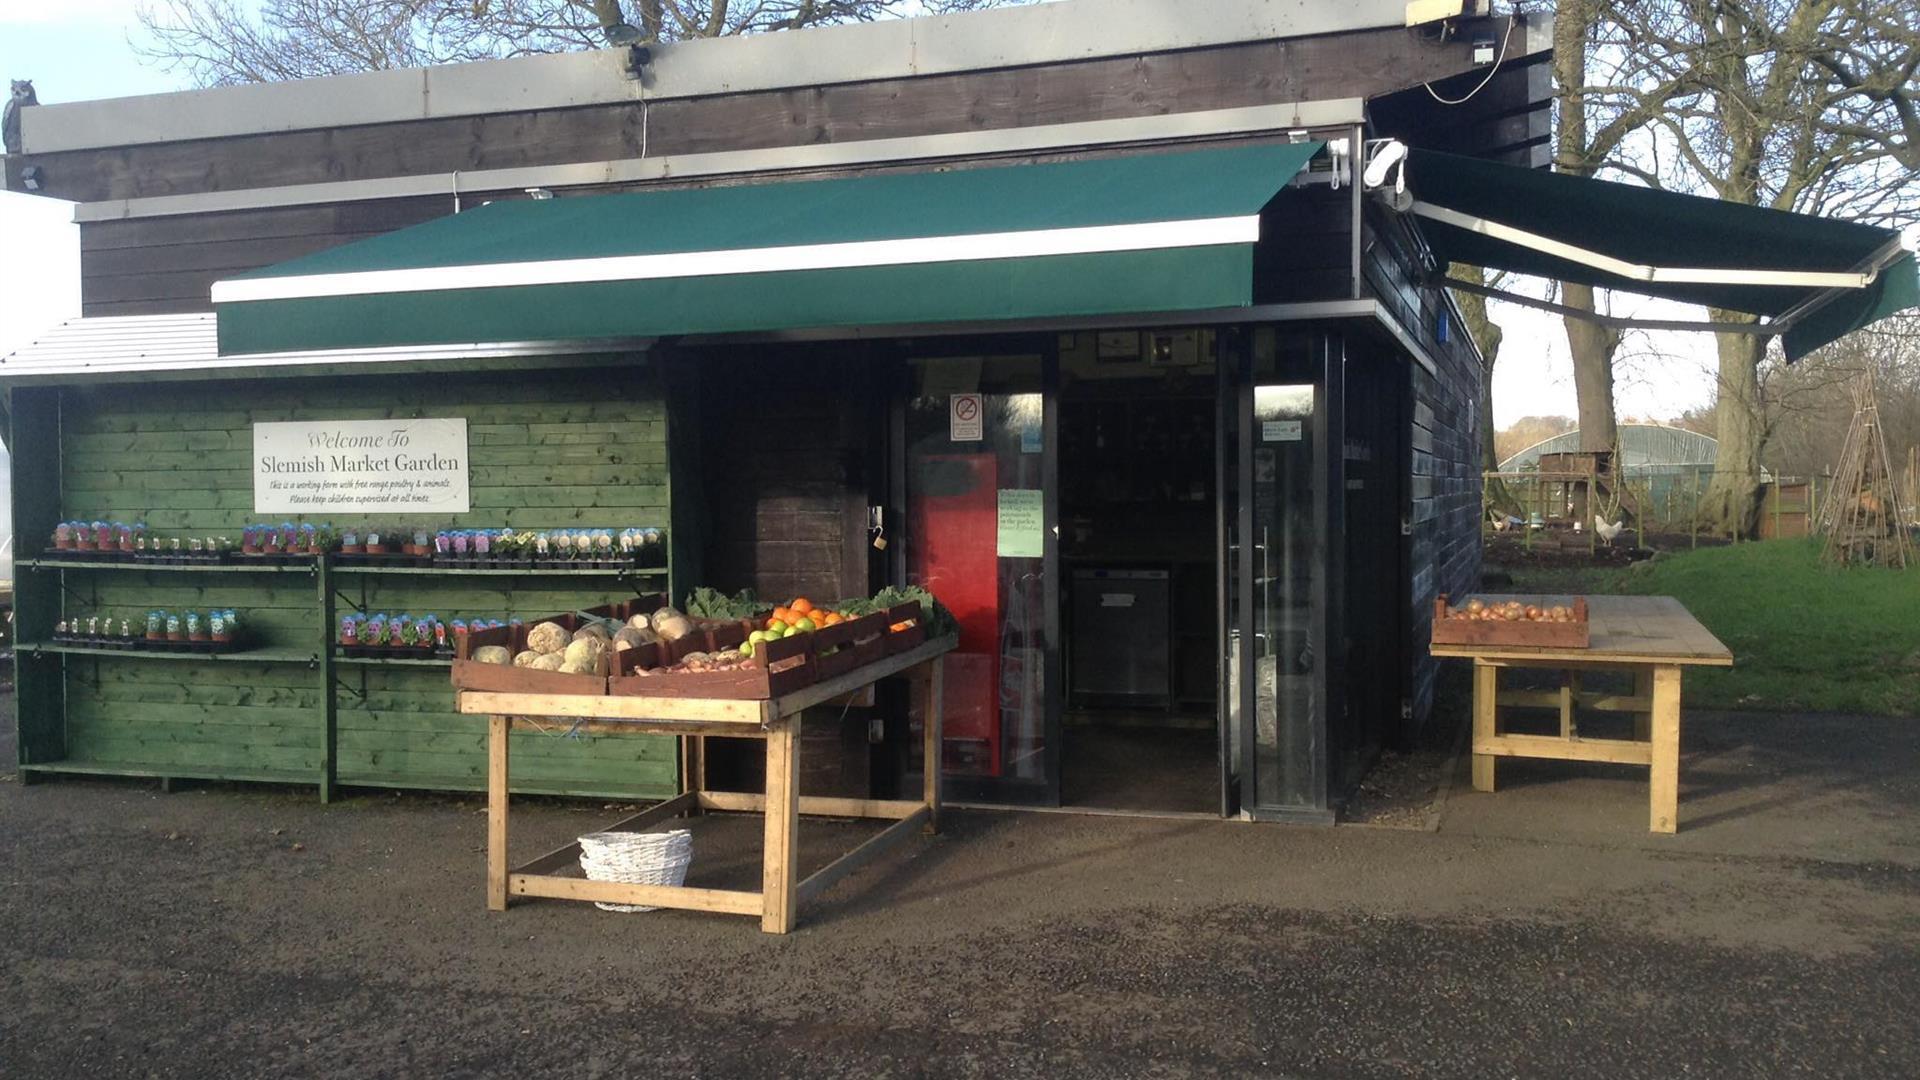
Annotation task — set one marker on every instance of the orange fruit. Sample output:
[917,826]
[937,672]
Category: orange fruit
[801,606]
[834,618]
[784,614]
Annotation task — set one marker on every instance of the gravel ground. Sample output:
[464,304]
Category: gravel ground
[235,931]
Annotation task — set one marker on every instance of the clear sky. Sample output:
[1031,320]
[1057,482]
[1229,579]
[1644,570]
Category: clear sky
[83,49]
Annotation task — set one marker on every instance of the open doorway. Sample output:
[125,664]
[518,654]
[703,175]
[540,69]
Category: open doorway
[1138,578]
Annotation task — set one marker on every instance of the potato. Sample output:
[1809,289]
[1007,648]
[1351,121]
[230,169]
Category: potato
[548,638]
[548,662]
[491,654]
[585,653]
[525,658]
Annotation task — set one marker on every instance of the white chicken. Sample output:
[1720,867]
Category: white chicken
[1608,532]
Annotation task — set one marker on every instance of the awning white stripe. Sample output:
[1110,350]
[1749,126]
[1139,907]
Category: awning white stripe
[1096,239]
[1636,271]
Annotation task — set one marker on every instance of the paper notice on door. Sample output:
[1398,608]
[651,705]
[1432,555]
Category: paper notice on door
[1023,521]
[1280,431]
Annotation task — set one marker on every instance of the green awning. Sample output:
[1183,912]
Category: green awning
[1821,278]
[1153,232]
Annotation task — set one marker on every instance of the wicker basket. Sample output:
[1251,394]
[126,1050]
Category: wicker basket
[658,858]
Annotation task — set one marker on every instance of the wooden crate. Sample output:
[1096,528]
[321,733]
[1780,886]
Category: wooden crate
[914,635]
[858,642]
[505,678]
[777,667]
[1524,632]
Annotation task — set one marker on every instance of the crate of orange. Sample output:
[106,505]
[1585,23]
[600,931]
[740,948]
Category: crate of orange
[906,627]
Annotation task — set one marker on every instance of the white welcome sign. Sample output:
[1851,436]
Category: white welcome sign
[361,466]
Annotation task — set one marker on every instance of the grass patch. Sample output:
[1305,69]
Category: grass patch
[1804,636]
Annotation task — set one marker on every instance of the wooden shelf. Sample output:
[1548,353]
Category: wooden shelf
[112,564]
[254,656]
[392,661]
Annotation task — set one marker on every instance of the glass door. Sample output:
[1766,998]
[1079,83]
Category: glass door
[981,511]
[1274,569]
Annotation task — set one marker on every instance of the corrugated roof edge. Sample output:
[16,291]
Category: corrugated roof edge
[1063,31]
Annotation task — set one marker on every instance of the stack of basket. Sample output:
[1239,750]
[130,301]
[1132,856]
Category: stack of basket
[656,858]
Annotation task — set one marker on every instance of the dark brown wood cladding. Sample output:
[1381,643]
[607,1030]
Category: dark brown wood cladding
[153,266]
[784,448]
[1359,64]
[1507,120]
[1444,447]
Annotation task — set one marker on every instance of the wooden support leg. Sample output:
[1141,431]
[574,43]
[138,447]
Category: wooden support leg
[932,721]
[783,816]
[1486,704]
[1569,692]
[497,813]
[1643,689]
[1665,781]
[693,752]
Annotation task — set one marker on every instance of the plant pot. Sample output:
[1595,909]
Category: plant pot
[376,549]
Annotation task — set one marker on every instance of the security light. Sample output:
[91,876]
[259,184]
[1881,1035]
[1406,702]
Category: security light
[614,26]
[32,178]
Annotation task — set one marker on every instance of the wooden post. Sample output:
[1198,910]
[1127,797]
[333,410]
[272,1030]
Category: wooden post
[1776,507]
[782,818]
[1569,692]
[1664,784]
[693,753]
[329,694]
[1693,525]
[932,720]
[1486,704]
[497,813]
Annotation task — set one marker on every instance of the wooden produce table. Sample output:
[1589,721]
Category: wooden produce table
[1650,637]
[775,721]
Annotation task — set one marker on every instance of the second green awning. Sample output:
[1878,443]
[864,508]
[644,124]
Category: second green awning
[1147,232]
[1816,278]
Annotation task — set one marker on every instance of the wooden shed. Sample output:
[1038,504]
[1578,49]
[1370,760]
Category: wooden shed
[1091,325]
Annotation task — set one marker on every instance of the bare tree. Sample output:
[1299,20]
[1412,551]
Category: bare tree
[226,42]
[1807,105]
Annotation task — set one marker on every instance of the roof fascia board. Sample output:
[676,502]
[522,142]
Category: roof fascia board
[1051,33]
[1211,123]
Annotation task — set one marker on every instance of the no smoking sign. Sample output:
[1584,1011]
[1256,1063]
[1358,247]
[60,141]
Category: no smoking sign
[966,418]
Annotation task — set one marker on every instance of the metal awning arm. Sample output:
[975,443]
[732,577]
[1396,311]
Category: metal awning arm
[1767,329]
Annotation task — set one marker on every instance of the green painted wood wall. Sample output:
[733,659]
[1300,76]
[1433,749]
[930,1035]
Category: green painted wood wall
[548,449]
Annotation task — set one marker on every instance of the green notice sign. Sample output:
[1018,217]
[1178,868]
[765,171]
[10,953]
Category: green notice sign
[1023,520]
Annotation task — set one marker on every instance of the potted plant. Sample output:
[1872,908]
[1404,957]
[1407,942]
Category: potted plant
[376,543]
[63,536]
[322,540]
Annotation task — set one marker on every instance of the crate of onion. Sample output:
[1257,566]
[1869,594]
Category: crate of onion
[1543,622]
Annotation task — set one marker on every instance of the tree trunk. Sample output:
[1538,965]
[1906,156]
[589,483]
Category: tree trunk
[1731,504]
[1592,347]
